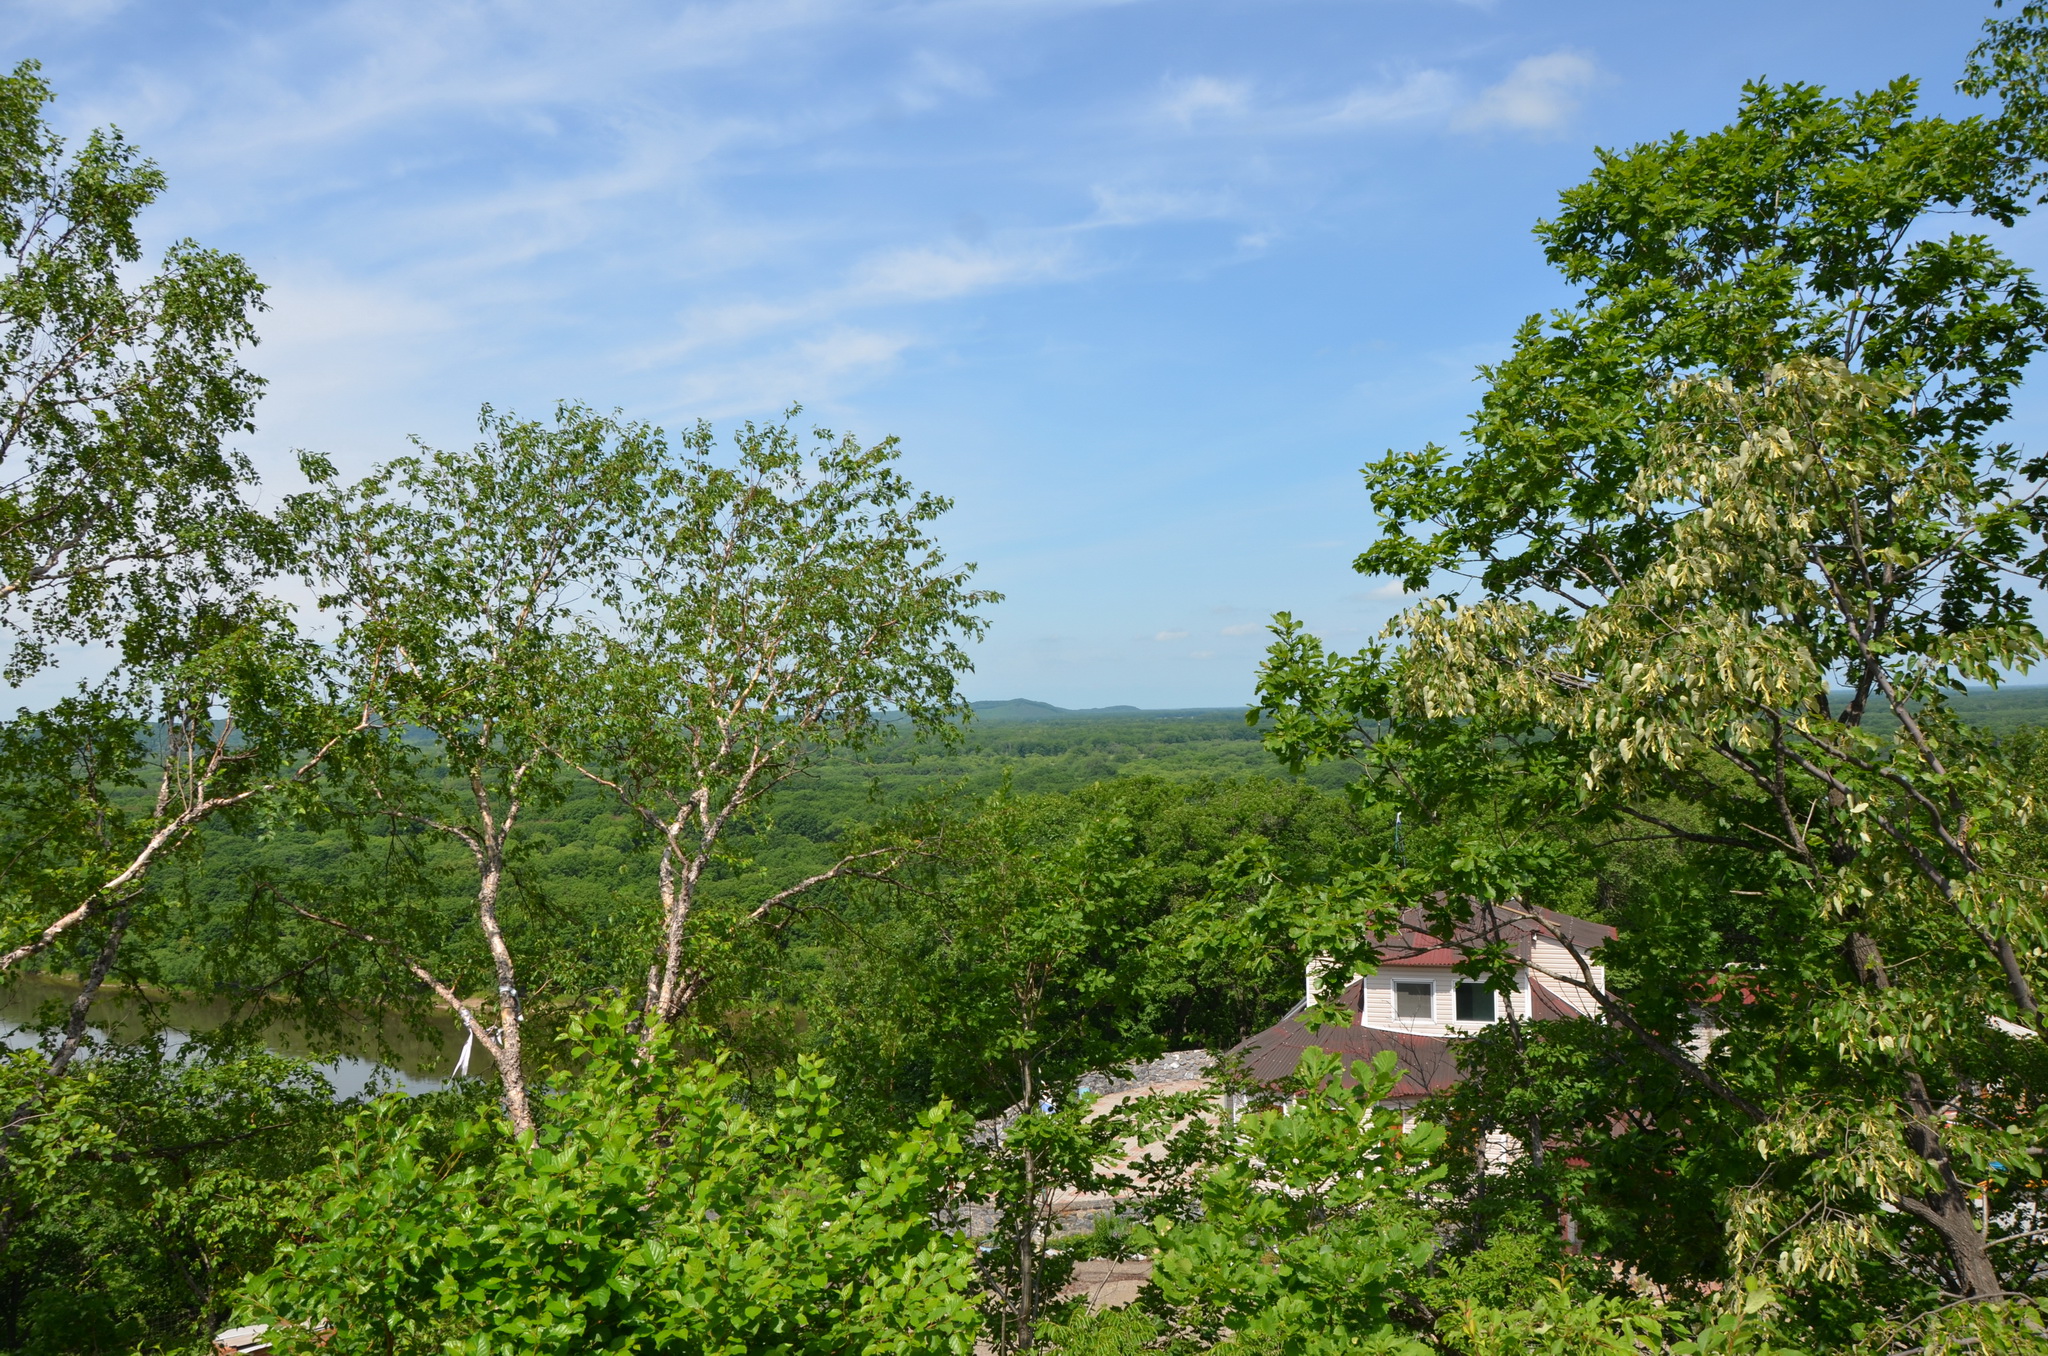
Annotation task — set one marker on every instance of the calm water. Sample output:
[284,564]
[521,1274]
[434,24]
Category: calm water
[407,1060]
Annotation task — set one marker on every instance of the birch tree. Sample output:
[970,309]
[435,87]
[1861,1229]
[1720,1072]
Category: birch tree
[787,602]
[120,492]
[456,579]
[124,524]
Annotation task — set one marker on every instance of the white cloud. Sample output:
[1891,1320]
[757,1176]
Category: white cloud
[943,272]
[1204,96]
[36,14]
[832,347]
[1144,207]
[1539,94]
[814,369]
[328,339]
[1171,635]
[1423,94]
[935,79]
[1243,629]
[509,198]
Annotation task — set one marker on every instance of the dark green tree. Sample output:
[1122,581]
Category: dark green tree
[1755,465]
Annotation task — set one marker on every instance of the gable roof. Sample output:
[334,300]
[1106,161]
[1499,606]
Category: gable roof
[1518,925]
[1429,1064]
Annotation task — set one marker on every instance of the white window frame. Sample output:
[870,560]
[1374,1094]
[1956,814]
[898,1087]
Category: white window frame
[1418,983]
[1497,998]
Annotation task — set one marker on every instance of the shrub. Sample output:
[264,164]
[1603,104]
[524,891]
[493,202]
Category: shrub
[657,1209]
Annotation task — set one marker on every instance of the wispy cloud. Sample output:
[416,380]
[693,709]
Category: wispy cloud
[1190,100]
[1116,206]
[1419,95]
[1539,95]
[821,368]
[942,272]
[1171,635]
[1243,629]
[723,205]
[821,341]
[935,79]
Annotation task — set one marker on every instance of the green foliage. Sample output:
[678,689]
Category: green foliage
[1750,468]
[1312,1227]
[662,1207]
[1105,899]
[1564,1324]
[122,521]
[1102,1332]
[458,579]
[1742,533]
[779,607]
[1014,963]
[122,504]
[145,1189]
[1802,229]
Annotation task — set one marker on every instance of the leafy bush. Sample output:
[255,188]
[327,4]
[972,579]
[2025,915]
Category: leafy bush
[1101,1332]
[1310,1227]
[661,1207]
[1567,1324]
[139,1190]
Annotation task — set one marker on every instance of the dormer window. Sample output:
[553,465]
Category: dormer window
[1475,1002]
[1415,1002]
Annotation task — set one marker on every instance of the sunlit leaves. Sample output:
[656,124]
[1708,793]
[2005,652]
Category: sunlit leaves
[1310,1224]
[663,1208]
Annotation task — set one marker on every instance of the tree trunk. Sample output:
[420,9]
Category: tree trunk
[1026,1300]
[511,1058]
[678,890]
[1947,1211]
[74,1036]
[81,1006]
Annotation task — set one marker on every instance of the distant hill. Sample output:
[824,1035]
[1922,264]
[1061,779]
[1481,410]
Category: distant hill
[2006,708]
[1024,709]
[1999,710]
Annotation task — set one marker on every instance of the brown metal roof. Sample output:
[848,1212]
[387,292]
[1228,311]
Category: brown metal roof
[1545,1006]
[1516,924]
[1428,1063]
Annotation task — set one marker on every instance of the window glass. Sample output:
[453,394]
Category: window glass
[1475,1002]
[1413,1000]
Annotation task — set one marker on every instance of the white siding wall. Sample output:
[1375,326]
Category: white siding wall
[1560,974]
[1379,1002]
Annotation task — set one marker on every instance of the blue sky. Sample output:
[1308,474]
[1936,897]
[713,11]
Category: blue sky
[1140,285]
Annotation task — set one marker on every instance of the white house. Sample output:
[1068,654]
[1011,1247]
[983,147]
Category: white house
[1417,1005]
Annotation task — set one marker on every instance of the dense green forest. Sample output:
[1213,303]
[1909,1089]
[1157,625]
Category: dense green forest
[796,994]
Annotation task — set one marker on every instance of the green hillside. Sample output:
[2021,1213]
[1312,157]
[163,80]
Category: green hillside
[2005,709]
[590,859]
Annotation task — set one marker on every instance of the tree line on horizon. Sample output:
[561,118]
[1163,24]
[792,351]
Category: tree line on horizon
[1692,611]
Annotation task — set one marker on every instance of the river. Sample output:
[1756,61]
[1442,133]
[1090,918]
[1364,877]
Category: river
[409,1062]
